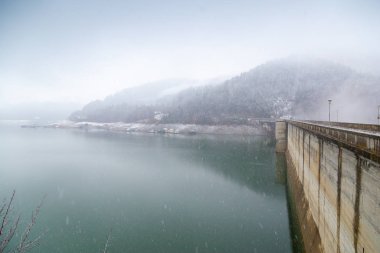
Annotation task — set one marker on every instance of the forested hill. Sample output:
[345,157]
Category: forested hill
[288,87]
[133,103]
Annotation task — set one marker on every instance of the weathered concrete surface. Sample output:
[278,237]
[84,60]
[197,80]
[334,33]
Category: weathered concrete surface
[301,212]
[340,187]
[281,133]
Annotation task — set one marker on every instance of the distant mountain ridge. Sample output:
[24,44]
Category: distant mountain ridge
[130,99]
[290,87]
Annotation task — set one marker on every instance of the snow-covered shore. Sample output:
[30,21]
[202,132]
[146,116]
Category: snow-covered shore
[259,129]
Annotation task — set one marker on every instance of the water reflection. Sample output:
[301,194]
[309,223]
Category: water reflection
[246,160]
[158,193]
[280,168]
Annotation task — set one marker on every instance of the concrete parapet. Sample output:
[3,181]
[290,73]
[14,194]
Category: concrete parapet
[363,142]
[357,126]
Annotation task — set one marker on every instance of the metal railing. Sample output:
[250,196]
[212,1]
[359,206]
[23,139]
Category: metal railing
[363,141]
[359,126]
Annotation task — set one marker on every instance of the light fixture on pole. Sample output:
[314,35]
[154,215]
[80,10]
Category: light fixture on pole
[329,107]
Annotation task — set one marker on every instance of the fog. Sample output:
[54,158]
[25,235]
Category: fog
[75,52]
[166,126]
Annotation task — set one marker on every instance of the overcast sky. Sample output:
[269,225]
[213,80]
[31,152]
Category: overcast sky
[72,50]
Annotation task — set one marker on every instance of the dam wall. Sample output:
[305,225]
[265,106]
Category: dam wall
[333,177]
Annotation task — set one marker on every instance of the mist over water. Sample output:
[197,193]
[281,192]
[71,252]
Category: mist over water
[158,193]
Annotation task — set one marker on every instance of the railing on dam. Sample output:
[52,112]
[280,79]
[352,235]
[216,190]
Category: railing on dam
[358,126]
[363,138]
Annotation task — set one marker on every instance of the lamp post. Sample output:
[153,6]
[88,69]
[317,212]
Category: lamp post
[337,115]
[329,107]
[378,115]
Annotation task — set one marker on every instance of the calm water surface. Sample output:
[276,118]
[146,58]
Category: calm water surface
[158,193]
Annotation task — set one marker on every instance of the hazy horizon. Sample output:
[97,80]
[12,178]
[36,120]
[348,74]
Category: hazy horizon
[78,51]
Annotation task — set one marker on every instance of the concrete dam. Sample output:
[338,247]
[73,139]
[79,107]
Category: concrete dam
[333,179]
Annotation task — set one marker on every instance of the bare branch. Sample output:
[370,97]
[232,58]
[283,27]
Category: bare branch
[8,237]
[2,207]
[25,243]
[108,241]
[7,231]
[5,217]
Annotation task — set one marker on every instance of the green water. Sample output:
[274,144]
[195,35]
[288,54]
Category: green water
[158,193]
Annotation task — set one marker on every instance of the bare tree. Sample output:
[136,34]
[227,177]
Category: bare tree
[10,224]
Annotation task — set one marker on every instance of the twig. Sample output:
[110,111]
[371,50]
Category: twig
[5,217]
[7,234]
[107,242]
[26,244]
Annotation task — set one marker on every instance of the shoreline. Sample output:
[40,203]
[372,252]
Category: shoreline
[261,128]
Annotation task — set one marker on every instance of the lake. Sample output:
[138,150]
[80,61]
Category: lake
[158,193]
